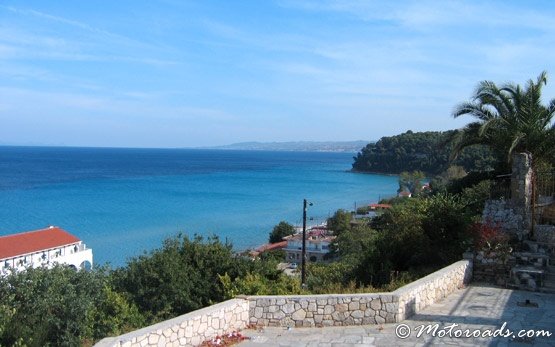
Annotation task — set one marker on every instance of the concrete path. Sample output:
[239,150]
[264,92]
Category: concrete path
[480,309]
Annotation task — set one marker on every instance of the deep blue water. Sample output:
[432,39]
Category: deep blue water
[122,202]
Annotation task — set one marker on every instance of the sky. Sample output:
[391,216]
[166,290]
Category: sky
[177,73]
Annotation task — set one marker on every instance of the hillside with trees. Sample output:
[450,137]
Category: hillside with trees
[428,152]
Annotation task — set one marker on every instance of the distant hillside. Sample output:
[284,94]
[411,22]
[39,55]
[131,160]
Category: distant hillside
[308,146]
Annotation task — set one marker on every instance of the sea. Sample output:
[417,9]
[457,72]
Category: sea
[123,202]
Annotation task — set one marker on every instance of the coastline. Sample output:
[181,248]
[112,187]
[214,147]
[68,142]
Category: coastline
[372,173]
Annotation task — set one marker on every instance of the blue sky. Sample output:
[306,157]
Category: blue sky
[178,73]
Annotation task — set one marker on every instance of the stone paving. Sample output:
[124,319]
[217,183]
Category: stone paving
[478,308]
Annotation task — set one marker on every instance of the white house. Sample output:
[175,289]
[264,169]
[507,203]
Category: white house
[45,247]
[317,246]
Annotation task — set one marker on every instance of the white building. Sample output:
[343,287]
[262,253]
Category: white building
[317,246]
[45,247]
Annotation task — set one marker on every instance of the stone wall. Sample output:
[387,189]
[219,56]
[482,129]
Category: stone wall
[421,293]
[190,329]
[299,311]
[514,215]
[322,310]
[357,309]
[504,214]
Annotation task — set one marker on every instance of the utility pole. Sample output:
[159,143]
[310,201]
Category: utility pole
[303,252]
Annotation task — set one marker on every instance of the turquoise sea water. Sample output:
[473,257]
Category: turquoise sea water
[121,202]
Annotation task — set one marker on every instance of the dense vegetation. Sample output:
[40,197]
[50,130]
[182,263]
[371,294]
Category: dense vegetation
[64,307]
[428,152]
[413,238]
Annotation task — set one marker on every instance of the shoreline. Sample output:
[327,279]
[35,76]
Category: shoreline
[372,173]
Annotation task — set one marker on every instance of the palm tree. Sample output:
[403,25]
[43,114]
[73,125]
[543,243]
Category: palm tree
[511,119]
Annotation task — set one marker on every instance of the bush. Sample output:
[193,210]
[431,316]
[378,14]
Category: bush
[61,307]
[179,277]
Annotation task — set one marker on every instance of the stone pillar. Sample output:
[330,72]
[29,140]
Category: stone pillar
[521,187]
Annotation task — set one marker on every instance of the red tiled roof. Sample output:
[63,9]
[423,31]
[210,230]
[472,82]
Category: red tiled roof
[271,246]
[268,247]
[380,206]
[34,241]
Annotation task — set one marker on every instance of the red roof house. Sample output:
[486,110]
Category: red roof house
[43,247]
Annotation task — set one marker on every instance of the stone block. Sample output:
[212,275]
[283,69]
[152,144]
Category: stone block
[318,318]
[196,340]
[288,308]
[196,324]
[391,307]
[390,318]
[341,307]
[299,315]
[339,316]
[376,304]
[188,332]
[153,339]
[369,320]
[369,312]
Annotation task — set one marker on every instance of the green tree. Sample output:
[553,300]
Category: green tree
[340,221]
[281,230]
[510,119]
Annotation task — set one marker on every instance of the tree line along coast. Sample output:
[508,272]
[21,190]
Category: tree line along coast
[413,237]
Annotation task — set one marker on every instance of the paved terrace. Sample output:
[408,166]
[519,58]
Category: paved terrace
[475,307]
